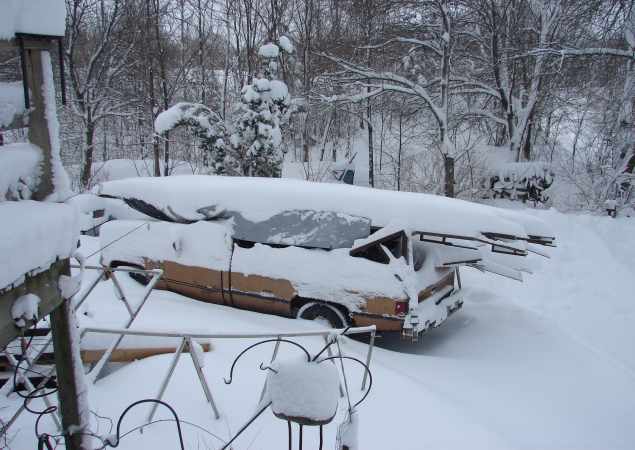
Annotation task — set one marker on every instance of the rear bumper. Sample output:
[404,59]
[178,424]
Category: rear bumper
[431,313]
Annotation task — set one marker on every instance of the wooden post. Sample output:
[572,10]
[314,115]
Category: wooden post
[67,358]
[449,175]
[38,123]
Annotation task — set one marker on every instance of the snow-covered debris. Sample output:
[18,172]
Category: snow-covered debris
[258,199]
[11,102]
[305,392]
[19,173]
[269,50]
[286,44]
[44,17]
[33,235]
[25,309]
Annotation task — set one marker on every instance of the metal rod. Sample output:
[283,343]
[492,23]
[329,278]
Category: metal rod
[166,379]
[202,335]
[273,358]
[371,345]
[25,77]
[60,49]
[30,386]
[201,377]
[121,294]
[246,425]
[92,376]
[119,269]
[330,353]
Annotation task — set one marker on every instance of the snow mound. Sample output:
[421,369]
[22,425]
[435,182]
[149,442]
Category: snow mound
[34,234]
[305,392]
[11,102]
[22,178]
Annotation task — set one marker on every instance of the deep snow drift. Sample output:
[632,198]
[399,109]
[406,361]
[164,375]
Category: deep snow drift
[547,364]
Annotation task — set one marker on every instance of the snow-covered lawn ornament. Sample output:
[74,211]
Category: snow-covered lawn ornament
[307,391]
[25,309]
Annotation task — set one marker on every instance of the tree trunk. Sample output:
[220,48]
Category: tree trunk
[449,176]
[88,161]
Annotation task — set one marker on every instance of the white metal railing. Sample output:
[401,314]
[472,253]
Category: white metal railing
[186,338]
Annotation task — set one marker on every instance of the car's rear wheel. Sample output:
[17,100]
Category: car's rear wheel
[322,312]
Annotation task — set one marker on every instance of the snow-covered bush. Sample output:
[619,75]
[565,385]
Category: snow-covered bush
[257,136]
[264,106]
[207,126]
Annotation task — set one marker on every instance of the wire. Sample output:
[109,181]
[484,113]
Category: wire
[116,240]
[139,402]
[198,427]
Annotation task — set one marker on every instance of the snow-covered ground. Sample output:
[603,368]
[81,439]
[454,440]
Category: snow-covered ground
[547,364]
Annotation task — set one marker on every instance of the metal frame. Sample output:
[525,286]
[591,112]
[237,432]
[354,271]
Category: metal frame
[186,341]
[31,361]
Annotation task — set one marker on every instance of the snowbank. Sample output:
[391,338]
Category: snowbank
[33,235]
[119,169]
[19,175]
[11,102]
[257,199]
[46,17]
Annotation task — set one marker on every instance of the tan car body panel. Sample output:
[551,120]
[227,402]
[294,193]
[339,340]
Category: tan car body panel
[270,295]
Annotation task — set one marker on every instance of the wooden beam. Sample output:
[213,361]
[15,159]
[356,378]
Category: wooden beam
[67,365]
[44,285]
[38,123]
[30,43]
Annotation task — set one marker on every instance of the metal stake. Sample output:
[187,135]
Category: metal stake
[166,379]
[201,377]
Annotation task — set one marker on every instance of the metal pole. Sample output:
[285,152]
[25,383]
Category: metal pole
[120,293]
[166,379]
[273,358]
[30,386]
[330,353]
[201,377]
[92,376]
[371,344]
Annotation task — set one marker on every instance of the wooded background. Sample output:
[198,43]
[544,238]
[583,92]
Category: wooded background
[404,82]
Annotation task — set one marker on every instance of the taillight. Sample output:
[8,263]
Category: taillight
[401,308]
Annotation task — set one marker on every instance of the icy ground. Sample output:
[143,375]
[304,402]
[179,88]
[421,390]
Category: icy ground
[547,364]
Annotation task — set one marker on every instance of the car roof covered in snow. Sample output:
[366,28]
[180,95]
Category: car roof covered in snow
[189,198]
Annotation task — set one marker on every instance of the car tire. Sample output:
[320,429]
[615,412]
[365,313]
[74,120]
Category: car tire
[322,311]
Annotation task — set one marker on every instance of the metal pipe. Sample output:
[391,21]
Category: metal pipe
[371,345]
[166,379]
[202,335]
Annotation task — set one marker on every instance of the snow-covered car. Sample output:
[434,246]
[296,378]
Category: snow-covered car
[342,254]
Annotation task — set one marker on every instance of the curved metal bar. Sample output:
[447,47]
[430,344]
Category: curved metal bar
[263,367]
[370,375]
[231,371]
